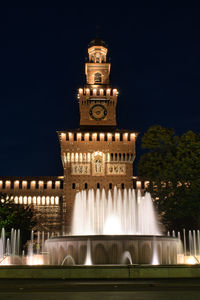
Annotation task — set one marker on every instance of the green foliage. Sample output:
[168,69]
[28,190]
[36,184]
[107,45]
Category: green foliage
[16,216]
[171,164]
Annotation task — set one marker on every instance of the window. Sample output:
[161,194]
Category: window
[61,185]
[97,77]
[86,186]
[110,186]
[97,58]
[122,185]
[73,186]
[53,185]
[45,185]
[98,185]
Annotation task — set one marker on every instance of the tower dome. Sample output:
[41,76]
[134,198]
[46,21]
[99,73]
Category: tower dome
[97,42]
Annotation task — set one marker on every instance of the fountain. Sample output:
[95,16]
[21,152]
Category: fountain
[105,226]
[118,227]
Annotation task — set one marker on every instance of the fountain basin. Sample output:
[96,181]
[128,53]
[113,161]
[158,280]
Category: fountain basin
[109,249]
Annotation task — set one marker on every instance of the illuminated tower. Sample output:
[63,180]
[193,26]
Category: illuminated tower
[96,155]
[97,100]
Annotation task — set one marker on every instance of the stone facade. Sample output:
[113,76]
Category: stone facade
[97,155]
[44,193]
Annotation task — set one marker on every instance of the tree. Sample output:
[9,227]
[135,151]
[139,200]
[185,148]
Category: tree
[171,164]
[16,216]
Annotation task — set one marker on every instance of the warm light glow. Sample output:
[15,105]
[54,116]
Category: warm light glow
[84,157]
[89,157]
[125,136]
[101,136]
[117,136]
[57,183]
[78,136]
[68,156]
[80,91]
[132,136]
[36,259]
[43,200]
[56,200]
[49,183]
[29,200]
[52,200]
[38,200]
[190,260]
[112,225]
[70,136]
[25,199]
[138,184]
[109,136]
[16,200]
[72,157]
[80,157]
[87,135]
[108,91]
[87,90]
[47,200]
[63,136]
[76,157]
[20,200]
[98,153]
[34,199]
[94,136]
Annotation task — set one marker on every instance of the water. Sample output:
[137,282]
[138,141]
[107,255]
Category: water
[126,257]
[119,212]
[68,260]
[88,259]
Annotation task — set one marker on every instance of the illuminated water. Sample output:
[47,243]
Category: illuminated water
[119,212]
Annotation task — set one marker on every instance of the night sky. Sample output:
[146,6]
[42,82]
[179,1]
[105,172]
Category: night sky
[155,56]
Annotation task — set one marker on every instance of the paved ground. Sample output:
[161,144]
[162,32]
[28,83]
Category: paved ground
[137,290]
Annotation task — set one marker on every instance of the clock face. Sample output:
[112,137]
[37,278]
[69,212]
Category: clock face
[98,112]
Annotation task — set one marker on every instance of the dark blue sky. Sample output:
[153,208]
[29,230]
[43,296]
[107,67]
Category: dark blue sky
[155,56]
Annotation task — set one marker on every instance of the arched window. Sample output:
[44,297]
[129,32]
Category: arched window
[73,186]
[122,186]
[97,77]
[97,58]
[110,186]
[86,186]
[98,185]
